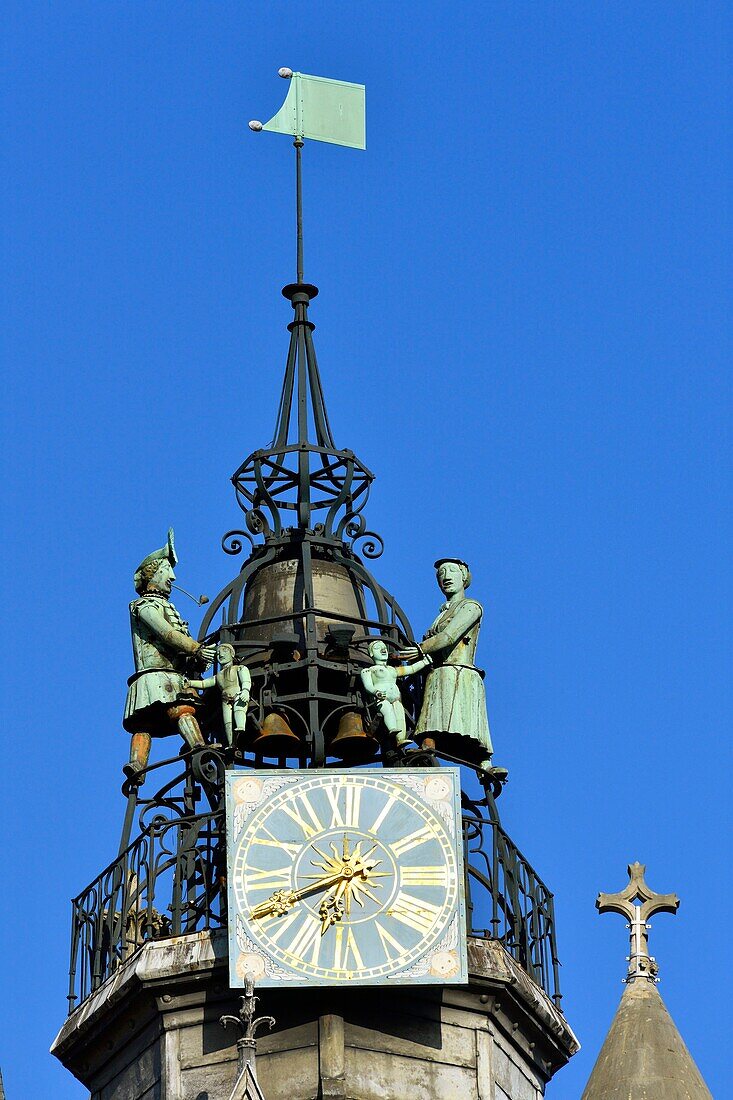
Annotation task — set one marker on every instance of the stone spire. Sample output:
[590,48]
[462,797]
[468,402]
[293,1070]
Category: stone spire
[644,1056]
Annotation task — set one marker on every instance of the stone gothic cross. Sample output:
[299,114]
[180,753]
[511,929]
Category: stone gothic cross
[638,903]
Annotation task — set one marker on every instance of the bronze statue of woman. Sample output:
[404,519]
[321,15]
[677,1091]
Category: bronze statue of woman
[454,703]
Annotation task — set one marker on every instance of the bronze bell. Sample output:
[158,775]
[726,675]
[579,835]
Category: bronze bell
[276,738]
[352,742]
[274,592]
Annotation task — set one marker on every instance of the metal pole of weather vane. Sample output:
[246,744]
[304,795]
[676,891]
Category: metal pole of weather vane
[298,143]
[322,109]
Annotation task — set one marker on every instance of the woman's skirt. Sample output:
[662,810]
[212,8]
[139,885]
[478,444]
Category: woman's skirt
[455,703]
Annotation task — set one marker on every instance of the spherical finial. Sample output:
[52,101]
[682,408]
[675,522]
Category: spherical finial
[285,73]
[255,125]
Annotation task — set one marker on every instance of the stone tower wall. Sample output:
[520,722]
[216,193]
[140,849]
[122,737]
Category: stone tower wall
[152,1032]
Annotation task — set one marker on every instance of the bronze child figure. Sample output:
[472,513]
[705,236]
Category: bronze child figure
[380,682]
[234,683]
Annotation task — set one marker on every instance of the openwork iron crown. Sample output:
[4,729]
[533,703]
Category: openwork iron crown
[302,475]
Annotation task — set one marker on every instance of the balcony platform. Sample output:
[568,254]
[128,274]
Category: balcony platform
[151,1032]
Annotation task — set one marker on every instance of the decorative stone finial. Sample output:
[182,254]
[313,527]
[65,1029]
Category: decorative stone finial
[247,1023]
[637,903]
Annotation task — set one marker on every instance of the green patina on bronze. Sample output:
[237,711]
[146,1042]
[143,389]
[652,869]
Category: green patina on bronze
[380,683]
[160,700]
[453,711]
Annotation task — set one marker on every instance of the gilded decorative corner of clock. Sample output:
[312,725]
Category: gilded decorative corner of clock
[437,791]
[249,794]
[443,960]
[254,960]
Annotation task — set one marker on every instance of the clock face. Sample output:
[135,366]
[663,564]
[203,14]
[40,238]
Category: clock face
[345,877]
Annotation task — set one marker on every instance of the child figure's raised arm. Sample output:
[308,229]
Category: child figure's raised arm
[416,666]
[208,682]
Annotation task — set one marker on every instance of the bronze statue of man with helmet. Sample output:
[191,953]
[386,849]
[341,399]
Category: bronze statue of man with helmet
[160,701]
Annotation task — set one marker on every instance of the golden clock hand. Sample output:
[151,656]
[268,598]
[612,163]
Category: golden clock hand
[352,868]
[331,909]
[282,900]
[277,904]
[346,856]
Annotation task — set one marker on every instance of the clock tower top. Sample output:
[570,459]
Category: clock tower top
[311,833]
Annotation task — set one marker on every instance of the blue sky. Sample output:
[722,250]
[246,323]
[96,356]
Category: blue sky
[523,330]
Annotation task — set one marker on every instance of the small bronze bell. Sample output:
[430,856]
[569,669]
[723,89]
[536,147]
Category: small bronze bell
[352,742]
[276,738]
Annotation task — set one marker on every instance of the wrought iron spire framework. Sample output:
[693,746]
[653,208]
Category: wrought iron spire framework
[302,496]
[302,470]
[304,602]
[637,902]
[302,475]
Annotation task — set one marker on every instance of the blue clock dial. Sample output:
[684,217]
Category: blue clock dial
[339,877]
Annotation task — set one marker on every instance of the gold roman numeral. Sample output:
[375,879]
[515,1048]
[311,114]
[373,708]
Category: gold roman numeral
[271,841]
[345,947]
[413,840]
[353,805]
[383,813]
[307,938]
[277,878]
[389,942]
[333,797]
[349,817]
[416,914]
[424,876]
[294,812]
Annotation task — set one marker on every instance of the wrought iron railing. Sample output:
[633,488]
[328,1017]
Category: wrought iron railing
[171,881]
[168,882]
[507,901]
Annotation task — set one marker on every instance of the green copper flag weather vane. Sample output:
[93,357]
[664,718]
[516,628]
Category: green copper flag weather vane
[324,110]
